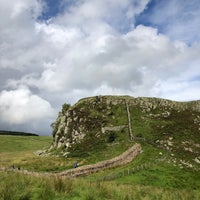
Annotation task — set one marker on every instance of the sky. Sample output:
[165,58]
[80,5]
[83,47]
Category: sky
[56,52]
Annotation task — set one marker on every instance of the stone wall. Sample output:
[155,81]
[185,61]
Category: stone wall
[122,159]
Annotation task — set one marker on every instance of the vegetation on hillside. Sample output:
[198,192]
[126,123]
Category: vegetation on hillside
[173,127]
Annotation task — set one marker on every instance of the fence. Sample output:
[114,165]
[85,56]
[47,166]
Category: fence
[128,172]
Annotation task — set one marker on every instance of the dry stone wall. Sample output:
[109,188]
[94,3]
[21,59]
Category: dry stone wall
[123,159]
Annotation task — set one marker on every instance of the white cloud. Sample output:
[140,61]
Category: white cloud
[178,90]
[131,62]
[18,38]
[89,14]
[83,52]
[180,20]
[20,106]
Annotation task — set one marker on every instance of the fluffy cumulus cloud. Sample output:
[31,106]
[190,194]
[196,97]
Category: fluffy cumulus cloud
[178,19]
[92,47]
[20,106]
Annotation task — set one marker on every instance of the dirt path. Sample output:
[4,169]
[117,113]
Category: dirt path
[120,160]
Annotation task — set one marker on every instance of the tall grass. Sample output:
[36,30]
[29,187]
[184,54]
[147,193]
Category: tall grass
[20,151]
[14,186]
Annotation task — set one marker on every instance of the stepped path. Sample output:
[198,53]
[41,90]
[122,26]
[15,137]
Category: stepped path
[120,160]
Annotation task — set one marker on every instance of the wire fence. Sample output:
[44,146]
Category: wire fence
[128,172]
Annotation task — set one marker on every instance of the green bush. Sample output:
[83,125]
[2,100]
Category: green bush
[65,107]
[111,137]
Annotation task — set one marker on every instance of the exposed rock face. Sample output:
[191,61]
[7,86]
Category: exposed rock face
[91,119]
[89,115]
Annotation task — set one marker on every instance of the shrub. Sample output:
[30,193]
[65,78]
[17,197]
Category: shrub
[111,137]
[65,107]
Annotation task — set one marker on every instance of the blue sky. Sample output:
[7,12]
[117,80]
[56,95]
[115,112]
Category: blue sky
[53,8]
[177,19]
[52,52]
[158,14]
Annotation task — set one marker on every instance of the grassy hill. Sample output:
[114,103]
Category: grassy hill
[171,128]
[167,168]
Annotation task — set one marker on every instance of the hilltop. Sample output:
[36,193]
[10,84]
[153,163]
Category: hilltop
[114,123]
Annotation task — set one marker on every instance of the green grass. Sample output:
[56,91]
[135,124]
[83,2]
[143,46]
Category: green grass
[15,186]
[23,143]
[164,176]
[20,151]
[161,180]
[153,169]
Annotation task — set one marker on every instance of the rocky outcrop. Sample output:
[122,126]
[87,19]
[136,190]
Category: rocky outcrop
[88,116]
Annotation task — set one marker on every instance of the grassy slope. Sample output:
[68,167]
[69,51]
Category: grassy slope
[165,162]
[158,173]
[169,172]
[160,181]
[177,134]
[20,151]
[10,143]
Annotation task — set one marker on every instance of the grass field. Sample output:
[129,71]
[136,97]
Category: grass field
[158,180]
[20,151]
[10,143]
[15,186]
